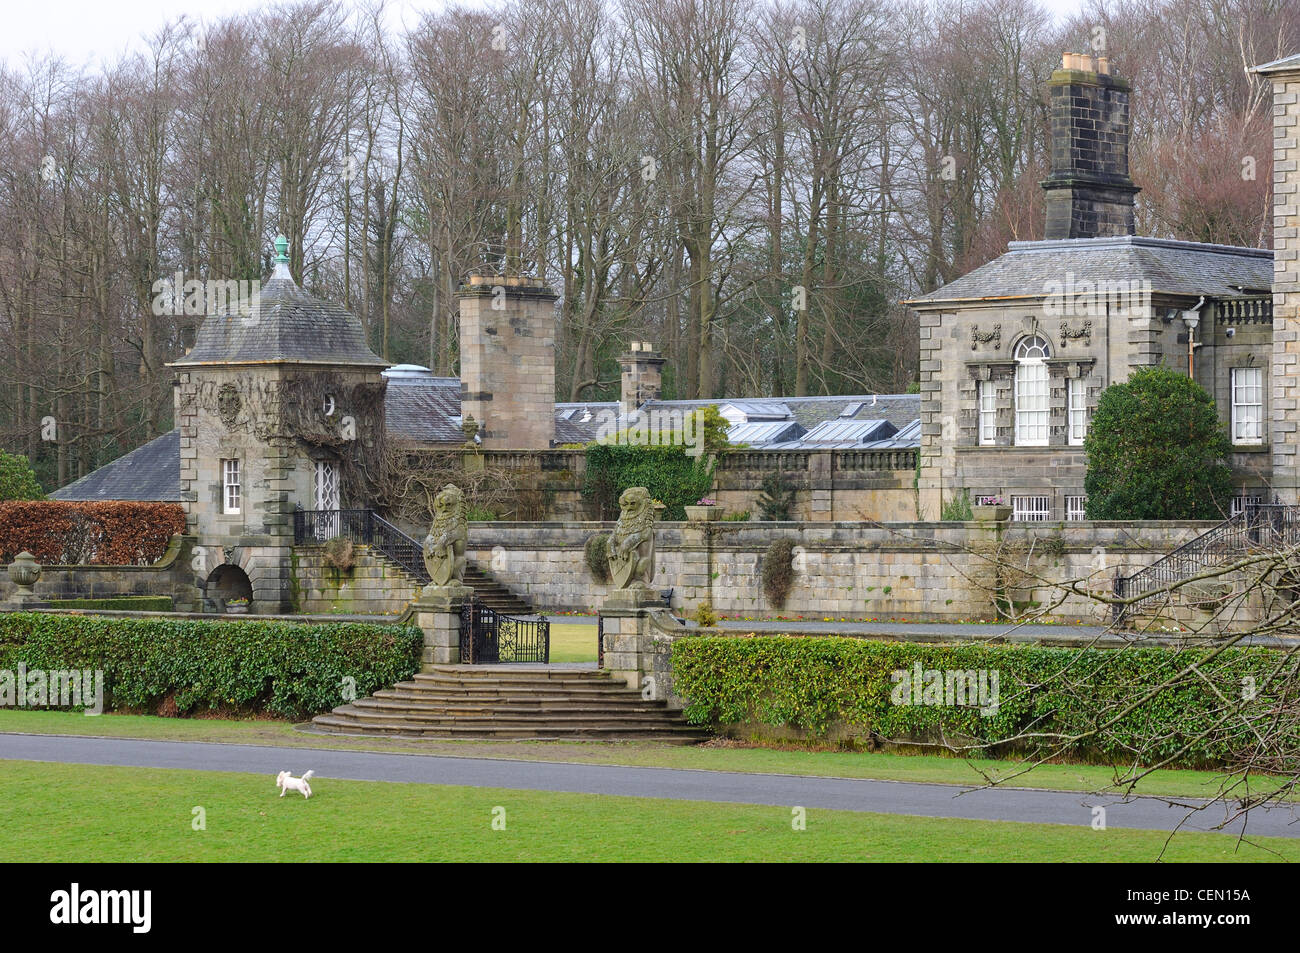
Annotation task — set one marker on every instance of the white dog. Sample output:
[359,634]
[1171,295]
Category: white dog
[287,782]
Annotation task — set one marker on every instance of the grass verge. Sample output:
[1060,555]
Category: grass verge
[146,814]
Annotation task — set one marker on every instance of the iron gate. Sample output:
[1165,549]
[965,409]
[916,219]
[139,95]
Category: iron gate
[488,636]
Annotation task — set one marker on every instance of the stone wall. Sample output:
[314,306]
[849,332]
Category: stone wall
[849,570]
[1286,283]
[373,585]
[172,575]
[830,484]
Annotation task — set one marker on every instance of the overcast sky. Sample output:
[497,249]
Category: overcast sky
[87,31]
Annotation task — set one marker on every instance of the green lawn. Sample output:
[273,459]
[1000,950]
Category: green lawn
[714,757]
[141,814]
[572,642]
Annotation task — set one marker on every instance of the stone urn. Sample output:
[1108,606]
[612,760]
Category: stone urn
[991,514]
[238,609]
[24,571]
[703,514]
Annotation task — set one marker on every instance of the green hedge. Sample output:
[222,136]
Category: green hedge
[281,668]
[123,603]
[816,685]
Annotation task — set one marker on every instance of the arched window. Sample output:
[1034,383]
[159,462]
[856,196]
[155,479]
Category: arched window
[1031,392]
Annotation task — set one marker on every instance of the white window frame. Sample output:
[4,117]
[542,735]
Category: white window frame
[1075,507]
[232,490]
[1031,509]
[987,419]
[1247,414]
[1241,500]
[1033,393]
[1077,393]
[325,486]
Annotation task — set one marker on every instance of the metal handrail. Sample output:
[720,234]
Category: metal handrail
[1258,527]
[362,526]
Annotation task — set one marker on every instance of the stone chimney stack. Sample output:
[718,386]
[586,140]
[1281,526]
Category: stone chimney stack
[1284,393]
[1089,192]
[507,361]
[643,376]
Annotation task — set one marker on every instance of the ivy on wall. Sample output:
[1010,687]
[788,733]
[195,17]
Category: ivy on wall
[672,476]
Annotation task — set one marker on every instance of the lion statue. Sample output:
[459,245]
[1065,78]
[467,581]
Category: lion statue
[632,544]
[444,547]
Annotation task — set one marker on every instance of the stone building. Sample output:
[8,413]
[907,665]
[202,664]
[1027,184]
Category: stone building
[1014,355]
[278,405]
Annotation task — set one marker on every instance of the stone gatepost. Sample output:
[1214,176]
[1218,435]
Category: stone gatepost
[638,636]
[437,613]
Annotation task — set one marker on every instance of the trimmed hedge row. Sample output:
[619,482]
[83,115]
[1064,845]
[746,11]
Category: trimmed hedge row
[281,668]
[122,603]
[59,532]
[820,685]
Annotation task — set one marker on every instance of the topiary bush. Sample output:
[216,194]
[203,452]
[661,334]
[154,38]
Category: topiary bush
[282,668]
[596,553]
[819,684]
[1157,451]
[778,571]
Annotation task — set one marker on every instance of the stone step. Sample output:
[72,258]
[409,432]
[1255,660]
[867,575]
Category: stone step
[670,735]
[583,696]
[561,707]
[479,717]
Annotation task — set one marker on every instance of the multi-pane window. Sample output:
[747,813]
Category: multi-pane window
[1078,411]
[987,413]
[1074,507]
[1243,500]
[1247,405]
[231,490]
[1031,509]
[326,488]
[1031,392]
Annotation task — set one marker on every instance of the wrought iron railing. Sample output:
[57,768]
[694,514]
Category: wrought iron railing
[361,526]
[490,636]
[1265,527]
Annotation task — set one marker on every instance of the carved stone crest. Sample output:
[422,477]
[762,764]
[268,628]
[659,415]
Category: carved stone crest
[978,337]
[444,547]
[632,544]
[228,404]
[1083,331]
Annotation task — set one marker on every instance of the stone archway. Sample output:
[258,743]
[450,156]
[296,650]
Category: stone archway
[228,582]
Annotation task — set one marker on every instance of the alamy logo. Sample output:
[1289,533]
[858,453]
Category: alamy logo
[653,428]
[52,688]
[953,688]
[1118,298]
[176,295]
[75,906]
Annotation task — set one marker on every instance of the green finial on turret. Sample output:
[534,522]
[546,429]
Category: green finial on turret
[281,249]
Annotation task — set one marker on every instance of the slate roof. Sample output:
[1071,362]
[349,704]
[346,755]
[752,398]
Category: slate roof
[1035,269]
[151,473]
[286,325]
[423,409]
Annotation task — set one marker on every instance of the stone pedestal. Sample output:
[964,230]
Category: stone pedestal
[638,637]
[437,613]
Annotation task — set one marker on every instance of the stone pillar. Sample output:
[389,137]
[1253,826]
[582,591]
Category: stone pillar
[1285,390]
[507,361]
[437,613]
[638,636]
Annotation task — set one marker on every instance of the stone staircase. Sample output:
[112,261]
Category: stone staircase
[494,595]
[511,702]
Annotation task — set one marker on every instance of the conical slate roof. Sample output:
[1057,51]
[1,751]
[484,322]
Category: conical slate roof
[283,325]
